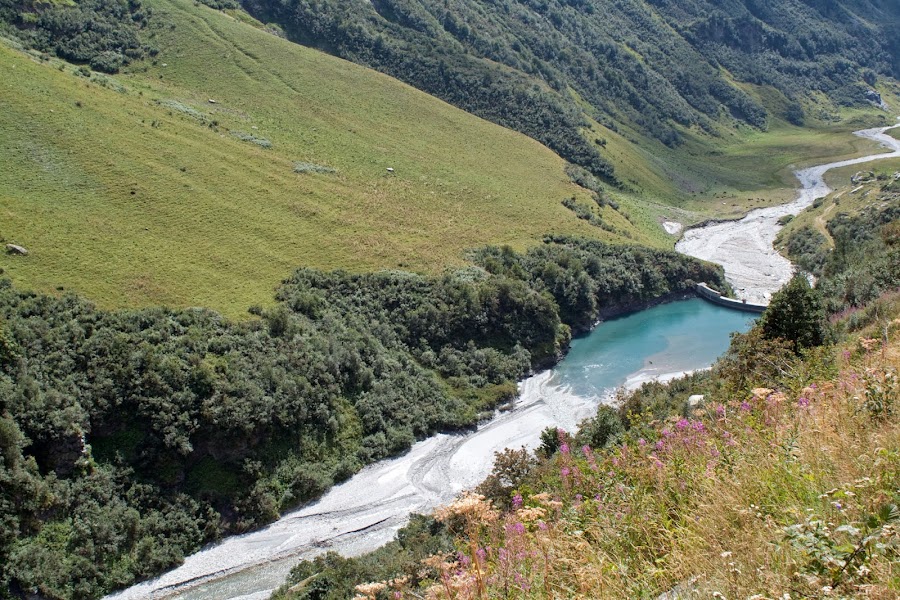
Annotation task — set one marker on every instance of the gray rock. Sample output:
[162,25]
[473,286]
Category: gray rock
[15,249]
[876,99]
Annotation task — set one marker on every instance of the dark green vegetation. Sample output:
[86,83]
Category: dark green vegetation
[129,438]
[795,315]
[655,66]
[104,34]
[860,259]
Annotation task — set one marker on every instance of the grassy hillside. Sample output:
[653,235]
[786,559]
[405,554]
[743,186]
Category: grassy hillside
[174,182]
[662,68]
[134,190]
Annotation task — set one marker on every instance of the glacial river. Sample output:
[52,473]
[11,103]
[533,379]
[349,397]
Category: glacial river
[366,511]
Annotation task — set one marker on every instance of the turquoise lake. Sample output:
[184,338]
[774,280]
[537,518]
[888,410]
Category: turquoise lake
[653,343]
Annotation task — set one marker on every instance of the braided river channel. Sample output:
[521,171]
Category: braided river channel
[365,512]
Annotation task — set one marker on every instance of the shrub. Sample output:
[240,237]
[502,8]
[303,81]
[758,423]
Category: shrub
[796,314]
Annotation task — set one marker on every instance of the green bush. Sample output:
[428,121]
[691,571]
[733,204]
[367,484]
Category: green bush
[796,314]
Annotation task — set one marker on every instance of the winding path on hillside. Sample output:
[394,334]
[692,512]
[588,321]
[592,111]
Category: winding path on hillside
[745,247]
[366,511]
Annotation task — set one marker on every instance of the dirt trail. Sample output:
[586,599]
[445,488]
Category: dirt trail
[744,247]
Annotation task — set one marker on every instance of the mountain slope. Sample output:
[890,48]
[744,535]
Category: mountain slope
[655,65]
[136,190]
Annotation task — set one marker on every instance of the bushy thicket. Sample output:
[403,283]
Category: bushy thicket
[865,260]
[129,438]
[652,64]
[589,279]
[101,33]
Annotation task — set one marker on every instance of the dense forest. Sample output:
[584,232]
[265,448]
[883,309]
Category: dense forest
[658,66]
[130,438]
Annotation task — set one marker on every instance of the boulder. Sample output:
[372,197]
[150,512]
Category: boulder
[876,99]
[15,249]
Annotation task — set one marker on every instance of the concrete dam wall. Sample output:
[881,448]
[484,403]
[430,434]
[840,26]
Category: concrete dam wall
[716,297]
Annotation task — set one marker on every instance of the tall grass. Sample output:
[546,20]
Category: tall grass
[768,494]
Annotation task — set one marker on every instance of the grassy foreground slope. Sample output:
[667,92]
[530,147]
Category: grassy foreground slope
[136,190]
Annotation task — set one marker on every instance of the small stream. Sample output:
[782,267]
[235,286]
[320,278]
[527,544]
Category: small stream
[660,343]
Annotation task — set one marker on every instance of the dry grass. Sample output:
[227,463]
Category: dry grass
[772,494]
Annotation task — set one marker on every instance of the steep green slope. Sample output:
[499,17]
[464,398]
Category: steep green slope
[659,67]
[135,190]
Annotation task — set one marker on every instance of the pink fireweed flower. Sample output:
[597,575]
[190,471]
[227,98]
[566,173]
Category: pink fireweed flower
[642,442]
[481,554]
[720,411]
[745,406]
[565,471]
[517,501]
[520,581]
[802,402]
[681,424]
[515,528]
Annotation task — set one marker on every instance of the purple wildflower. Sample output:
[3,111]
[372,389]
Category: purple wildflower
[517,501]
[515,528]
